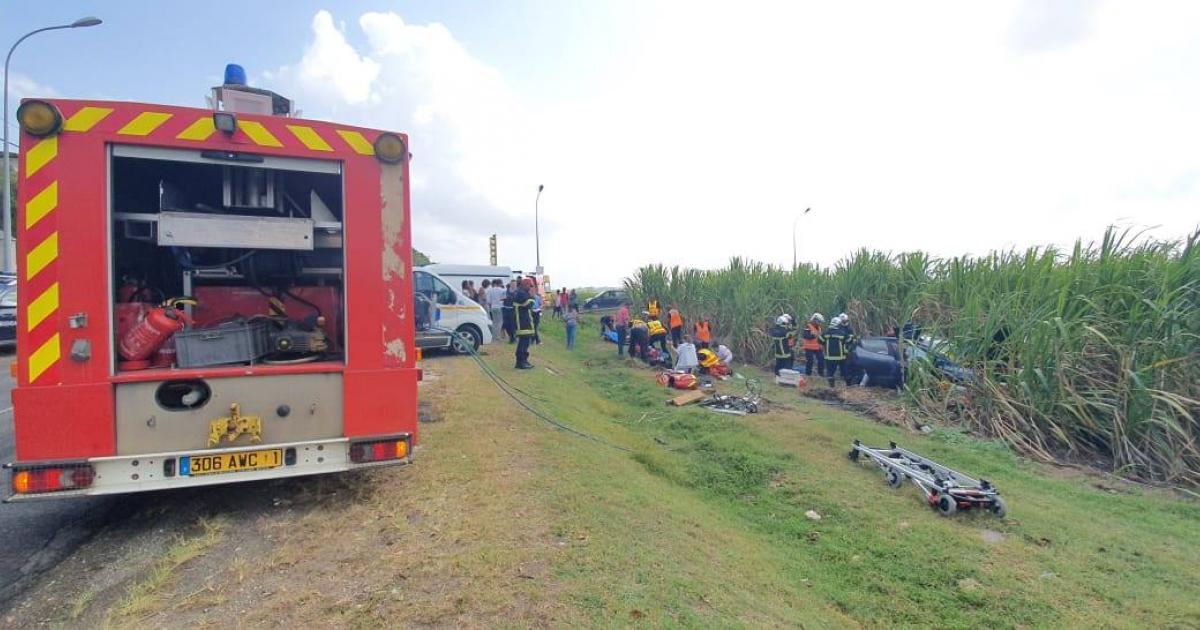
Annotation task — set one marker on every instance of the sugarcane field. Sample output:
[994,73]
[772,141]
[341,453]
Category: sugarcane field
[882,315]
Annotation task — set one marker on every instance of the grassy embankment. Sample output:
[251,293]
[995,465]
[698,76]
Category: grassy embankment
[505,522]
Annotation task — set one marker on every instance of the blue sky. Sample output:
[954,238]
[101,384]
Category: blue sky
[687,133]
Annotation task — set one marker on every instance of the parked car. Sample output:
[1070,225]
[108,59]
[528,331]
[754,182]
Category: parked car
[878,359]
[8,312]
[606,299]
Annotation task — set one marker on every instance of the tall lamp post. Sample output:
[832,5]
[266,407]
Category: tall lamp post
[537,241]
[794,220]
[10,256]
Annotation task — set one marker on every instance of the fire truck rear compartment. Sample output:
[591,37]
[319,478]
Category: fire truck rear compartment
[255,241]
[291,408]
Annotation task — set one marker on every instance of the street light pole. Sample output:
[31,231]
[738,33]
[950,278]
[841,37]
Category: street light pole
[537,240]
[10,256]
[794,220]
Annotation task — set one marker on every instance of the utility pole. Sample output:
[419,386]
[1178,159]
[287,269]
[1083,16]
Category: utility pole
[794,220]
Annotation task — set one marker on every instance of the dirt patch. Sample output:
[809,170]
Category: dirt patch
[880,405]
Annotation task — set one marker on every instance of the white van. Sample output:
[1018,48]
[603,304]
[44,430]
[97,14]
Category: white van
[455,274]
[441,307]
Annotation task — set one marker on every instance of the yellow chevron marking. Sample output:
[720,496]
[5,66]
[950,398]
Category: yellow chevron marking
[356,142]
[144,124]
[258,133]
[86,118]
[41,307]
[42,204]
[41,255]
[199,130]
[310,138]
[40,155]
[44,357]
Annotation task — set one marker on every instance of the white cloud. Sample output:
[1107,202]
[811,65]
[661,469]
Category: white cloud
[952,127]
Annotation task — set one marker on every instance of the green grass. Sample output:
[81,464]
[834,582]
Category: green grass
[704,525]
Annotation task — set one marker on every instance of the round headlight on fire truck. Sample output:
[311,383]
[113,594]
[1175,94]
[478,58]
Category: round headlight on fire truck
[390,149]
[39,118]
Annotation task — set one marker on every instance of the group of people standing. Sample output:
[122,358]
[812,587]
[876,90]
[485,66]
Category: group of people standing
[647,335]
[829,349]
[515,309]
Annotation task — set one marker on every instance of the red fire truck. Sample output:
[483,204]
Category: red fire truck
[208,296]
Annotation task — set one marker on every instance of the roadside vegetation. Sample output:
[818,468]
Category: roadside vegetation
[1088,355]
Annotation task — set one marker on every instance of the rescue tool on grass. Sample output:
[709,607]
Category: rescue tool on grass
[946,490]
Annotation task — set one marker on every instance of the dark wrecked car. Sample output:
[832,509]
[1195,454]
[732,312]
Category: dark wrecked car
[877,361]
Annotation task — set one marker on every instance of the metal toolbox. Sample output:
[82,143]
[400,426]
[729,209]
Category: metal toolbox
[231,342]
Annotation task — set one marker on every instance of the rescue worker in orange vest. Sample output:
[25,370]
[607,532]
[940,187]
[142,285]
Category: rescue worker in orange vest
[782,339]
[812,345]
[658,334]
[652,308]
[675,320]
[703,332]
[523,319]
[839,344]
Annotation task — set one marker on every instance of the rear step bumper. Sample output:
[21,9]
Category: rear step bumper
[147,472]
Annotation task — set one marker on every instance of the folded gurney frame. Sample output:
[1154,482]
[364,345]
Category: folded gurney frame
[947,491]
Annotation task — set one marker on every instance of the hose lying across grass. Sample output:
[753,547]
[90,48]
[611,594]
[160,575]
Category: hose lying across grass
[463,344]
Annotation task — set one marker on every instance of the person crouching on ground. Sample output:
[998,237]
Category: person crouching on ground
[838,342]
[675,320]
[724,354]
[685,355]
[781,342]
[710,363]
[658,333]
[639,339]
[572,319]
[523,322]
[812,345]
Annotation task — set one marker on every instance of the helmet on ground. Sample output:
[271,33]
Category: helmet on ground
[817,317]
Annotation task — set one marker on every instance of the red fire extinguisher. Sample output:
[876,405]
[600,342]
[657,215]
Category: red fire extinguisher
[148,335]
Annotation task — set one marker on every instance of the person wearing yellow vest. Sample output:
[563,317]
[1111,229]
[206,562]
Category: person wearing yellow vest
[658,333]
[675,320]
[703,332]
[652,309]
[639,338]
[710,363]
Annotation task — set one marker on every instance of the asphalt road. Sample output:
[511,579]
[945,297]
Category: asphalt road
[36,536]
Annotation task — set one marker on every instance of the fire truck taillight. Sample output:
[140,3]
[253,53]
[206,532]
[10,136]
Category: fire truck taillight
[378,450]
[390,149]
[39,118]
[52,478]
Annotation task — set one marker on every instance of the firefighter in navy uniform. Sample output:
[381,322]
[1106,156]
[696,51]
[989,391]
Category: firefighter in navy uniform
[639,337]
[782,337]
[838,341]
[523,322]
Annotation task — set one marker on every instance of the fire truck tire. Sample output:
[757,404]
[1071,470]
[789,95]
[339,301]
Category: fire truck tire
[472,335]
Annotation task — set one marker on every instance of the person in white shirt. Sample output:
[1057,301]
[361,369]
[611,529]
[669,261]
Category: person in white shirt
[724,354]
[495,303]
[685,354]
